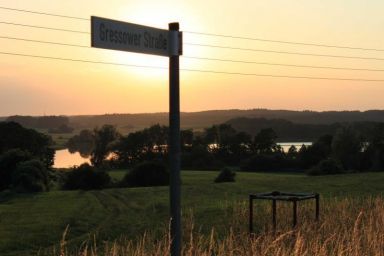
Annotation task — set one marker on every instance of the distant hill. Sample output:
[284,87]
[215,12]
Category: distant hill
[199,120]
[40,122]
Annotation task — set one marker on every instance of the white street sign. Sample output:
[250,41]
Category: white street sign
[124,36]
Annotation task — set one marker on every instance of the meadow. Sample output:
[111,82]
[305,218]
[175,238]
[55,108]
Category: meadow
[134,221]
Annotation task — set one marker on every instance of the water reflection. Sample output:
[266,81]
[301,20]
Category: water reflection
[286,145]
[65,159]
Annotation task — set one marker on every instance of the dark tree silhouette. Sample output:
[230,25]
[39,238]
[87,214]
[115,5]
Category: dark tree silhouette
[86,177]
[83,143]
[8,163]
[30,176]
[14,136]
[311,155]
[265,141]
[347,146]
[104,138]
[226,143]
[374,149]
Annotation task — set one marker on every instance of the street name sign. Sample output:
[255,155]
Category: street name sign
[124,36]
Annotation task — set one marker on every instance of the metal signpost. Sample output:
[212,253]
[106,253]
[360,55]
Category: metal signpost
[123,36]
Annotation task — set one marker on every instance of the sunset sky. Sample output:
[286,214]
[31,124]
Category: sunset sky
[34,86]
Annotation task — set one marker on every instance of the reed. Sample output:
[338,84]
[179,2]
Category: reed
[348,226]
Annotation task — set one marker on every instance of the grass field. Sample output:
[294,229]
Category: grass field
[32,223]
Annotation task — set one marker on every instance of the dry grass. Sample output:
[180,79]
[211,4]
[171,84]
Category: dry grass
[351,227]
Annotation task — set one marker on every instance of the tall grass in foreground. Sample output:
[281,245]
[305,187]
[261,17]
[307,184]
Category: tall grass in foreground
[352,227]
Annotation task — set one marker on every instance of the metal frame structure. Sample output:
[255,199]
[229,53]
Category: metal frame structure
[283,196]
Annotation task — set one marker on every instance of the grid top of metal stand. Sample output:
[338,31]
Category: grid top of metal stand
[284,196]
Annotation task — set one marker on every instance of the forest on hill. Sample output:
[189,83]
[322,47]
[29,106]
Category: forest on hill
[288,131]
[197,120]
[203,119]
[289,125]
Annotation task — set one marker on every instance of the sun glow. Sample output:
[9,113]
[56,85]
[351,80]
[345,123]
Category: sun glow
[142,65]
[156,15]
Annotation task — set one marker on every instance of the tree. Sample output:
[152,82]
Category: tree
[311,155]
[131,148]
[104,138]
[226,143]
[292,151]
[186,140]
[30,176]
[347,146]
[265,141]
[374,151]
[83,143]
[19,171]
[157,138]
[148,144]
[199,158]
[8,163]
[14,136]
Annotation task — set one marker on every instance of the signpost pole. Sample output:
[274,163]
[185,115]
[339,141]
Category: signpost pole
[124,36]
[174,147]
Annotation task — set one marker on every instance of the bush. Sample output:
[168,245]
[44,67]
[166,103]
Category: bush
[30,176]
[85,177]
[147,174]
[14,136]
[226,175]
[266,162]
[199,159]
[326,167]
[8,163]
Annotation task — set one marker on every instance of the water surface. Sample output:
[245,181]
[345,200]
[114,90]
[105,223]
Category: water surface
[65,159]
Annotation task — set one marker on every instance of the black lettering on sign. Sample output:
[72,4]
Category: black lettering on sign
[156,42]
[102,32]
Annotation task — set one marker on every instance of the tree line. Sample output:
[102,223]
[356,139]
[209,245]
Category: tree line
[26,156]
[347,149]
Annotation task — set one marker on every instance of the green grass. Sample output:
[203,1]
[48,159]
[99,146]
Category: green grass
[32,222]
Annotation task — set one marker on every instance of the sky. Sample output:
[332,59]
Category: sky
[36,86]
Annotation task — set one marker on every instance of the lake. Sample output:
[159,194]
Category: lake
[287,145]
[65,159]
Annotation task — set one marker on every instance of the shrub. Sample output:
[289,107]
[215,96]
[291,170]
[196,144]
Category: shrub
[86,177]
[147,174]
[14,136]
[266,162]
[30,176]
[326,167]
[199,158]
[8,163]
[226,175]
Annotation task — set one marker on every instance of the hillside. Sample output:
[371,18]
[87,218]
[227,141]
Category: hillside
[199,120]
